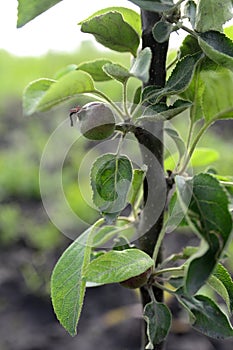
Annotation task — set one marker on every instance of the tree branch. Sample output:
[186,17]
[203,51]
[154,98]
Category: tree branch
[151,138]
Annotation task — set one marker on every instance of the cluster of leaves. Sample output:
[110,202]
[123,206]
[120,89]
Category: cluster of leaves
[201,83]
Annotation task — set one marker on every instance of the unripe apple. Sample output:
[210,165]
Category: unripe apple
[137,281]
[97,121]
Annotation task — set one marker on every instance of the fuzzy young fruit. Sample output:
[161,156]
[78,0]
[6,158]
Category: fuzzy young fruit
[97,121]
[137,281]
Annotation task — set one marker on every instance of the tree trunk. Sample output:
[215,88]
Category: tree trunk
[151,140]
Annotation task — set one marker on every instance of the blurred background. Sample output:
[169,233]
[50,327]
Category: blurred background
[30,243]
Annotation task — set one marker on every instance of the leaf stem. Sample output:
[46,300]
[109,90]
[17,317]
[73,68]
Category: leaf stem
[113,104]
[158,243]
[190,133]
[226,183]
[194,144]
[161,286]
[92,231]
[190,31]
[119,145]
[151,293]
[169,269]
[125,100]
[136,110]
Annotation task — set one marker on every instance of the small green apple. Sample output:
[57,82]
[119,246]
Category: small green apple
[97,121]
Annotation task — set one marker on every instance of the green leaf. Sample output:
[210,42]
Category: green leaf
[67,285]
[177,139]
[129,16]
[109,232]
[117,266]
[154,5]
[217,98]
[104,234]
[95,69]
[29,9]
[141,65]
[116,71]
[209,214]
[207,92]
[161,31]
[195,89]
[210,203]
[112,31]
[136,186]
[190,11]
[203,262]
[178,81]
[111,177]
[161,111]
[219,288]
[227,182]
[228,31]
[217,47]
[189,46]
[158,319]
[223,275]
[188,251]
[137,97]
[69,86]
[201,157]
[206,316]
[33,94]
[194,93]
[121,243]
[176,215]
[212,14]
[65,70]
